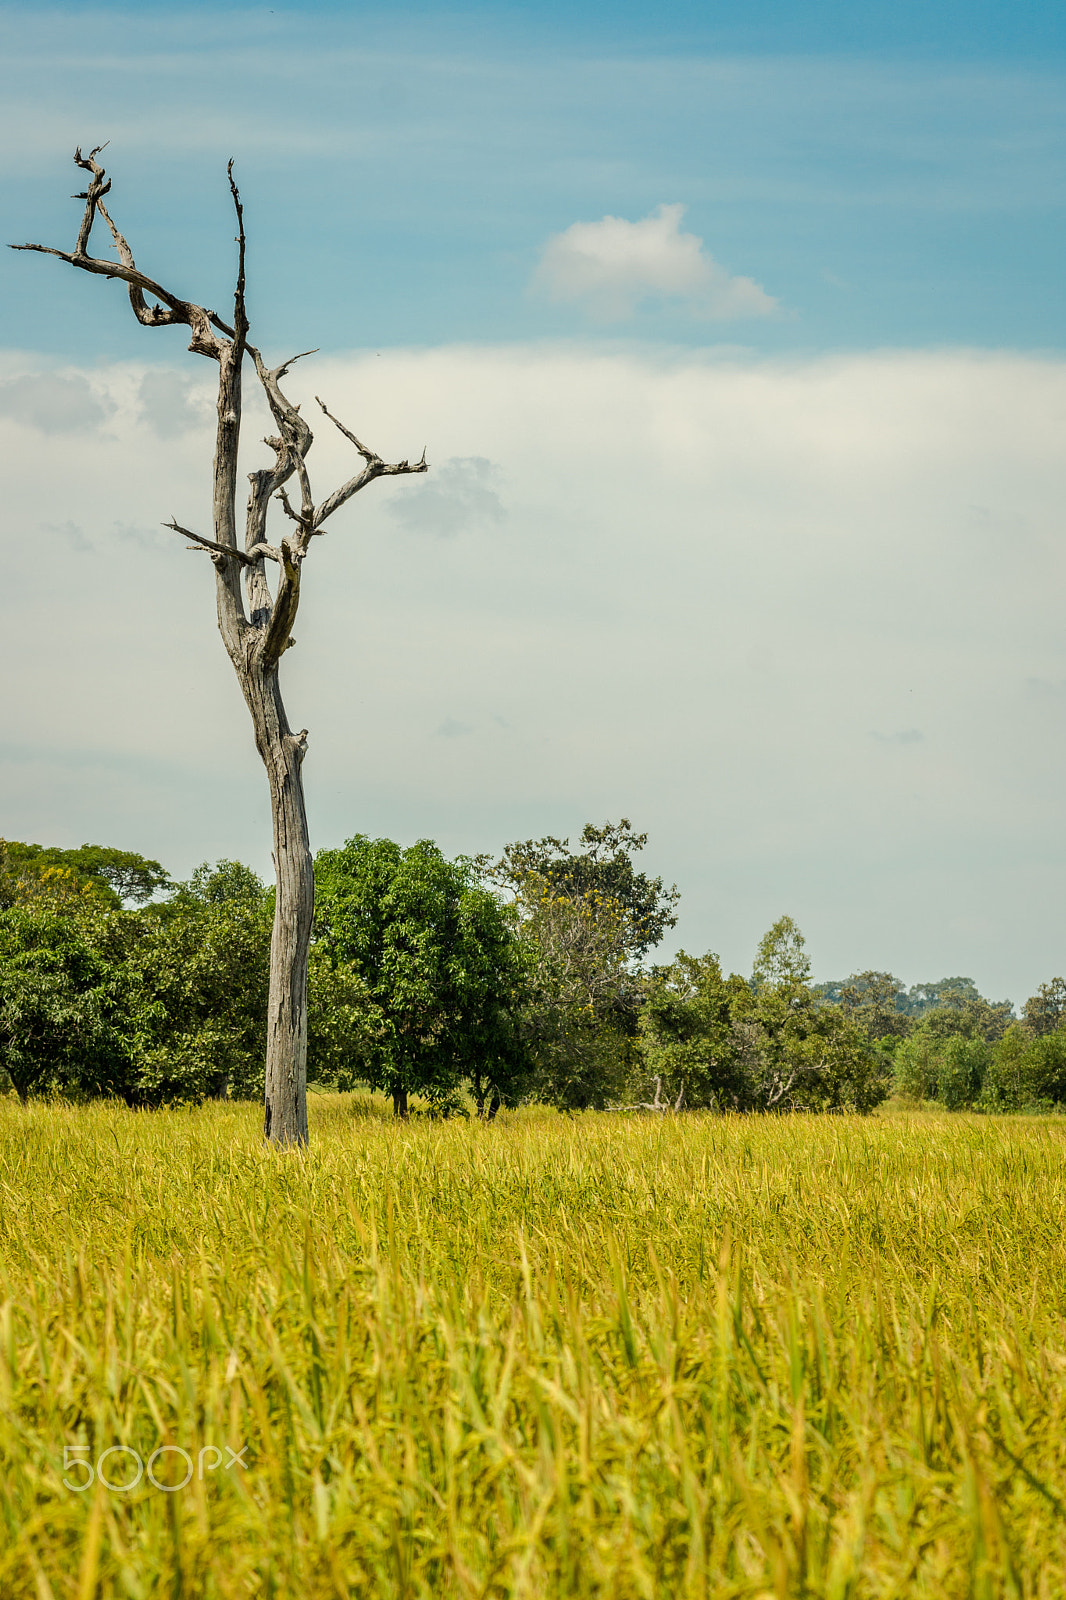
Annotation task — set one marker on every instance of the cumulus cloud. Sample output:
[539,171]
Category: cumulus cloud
[609,268]
[54,403]
[458,496]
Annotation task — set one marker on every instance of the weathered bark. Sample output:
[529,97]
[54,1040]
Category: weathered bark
[255,639]
[285,1116]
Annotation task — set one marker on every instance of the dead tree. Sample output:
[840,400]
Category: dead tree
[255,635]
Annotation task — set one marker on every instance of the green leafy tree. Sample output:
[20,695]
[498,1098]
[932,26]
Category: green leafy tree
[801,1055]
[887,1011]
[945,1058]
[768,1045]
[582,996]
[441,967]
[345,1026]
[689,1040]
[1026,1072]
[989,1018]
[586,919]
[190,977]
[781,960]
[228,883]
[158,1005]
[603,869]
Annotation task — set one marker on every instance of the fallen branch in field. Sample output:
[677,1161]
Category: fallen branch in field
[658,1104]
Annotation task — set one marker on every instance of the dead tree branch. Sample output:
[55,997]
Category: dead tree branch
[375,468]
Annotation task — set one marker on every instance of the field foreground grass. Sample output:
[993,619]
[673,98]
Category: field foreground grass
[586,1356]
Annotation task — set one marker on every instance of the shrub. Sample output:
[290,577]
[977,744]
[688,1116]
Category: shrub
[1026,1072]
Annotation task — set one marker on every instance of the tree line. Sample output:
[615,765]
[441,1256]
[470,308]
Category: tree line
[473,983]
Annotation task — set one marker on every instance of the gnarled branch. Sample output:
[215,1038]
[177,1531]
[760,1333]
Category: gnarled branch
[375,468]
[171,309]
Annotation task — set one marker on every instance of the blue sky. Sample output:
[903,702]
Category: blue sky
[735,335]
[889,174]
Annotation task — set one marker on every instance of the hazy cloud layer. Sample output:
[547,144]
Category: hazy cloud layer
[53,403]
[730,594]
[458,496]
[172,404]
[611,267]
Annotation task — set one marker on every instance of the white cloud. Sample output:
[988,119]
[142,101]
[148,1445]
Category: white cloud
[611,267]
[53,402]
[719,577]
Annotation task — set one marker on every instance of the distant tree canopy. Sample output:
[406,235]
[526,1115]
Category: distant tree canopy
[761,1046]
[884,1008]
[877,1003]
[475,982]
[1045,1011]
[950,1045]
[158,1005]
[118,876]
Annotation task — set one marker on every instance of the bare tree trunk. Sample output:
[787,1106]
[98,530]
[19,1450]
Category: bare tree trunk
[255,639]
[285,1112]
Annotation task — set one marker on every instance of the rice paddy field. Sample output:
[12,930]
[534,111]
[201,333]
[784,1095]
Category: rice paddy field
[552,1356]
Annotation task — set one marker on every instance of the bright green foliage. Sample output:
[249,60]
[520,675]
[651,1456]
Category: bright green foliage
[440,964]
[344,1023]
[944,1058]
[58,1025]
[547,1358]
[947,1059]
[228,883]
[154,1006]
